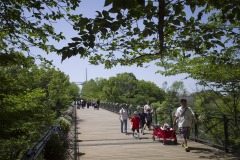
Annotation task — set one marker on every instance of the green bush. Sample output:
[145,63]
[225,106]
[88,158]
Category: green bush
[64,125]
[68,118]
[69,112]
[55,148]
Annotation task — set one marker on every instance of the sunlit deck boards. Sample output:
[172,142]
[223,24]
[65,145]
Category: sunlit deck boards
[101,139]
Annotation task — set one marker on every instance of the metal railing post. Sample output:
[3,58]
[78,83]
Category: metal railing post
[75,133]
[171,118]
[226,142]
[196,129]
[155,113]
[196,132]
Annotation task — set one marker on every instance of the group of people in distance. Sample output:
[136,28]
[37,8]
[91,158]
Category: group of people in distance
[183,118]
[87,103]
[140,119]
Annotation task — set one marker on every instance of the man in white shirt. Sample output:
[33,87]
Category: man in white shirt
[183,117]
[124,115]
[148,107]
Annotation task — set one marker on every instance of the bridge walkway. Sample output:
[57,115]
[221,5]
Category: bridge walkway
[100,138]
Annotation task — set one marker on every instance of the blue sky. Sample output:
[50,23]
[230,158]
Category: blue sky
[76,67]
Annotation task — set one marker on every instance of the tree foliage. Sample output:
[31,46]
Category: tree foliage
[124,88]
[214,110]
[172,95]
[137,32]
[90,90]
[28,24]
[30,96]
[30,99]
[200,38]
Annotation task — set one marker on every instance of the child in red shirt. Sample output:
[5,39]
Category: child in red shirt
[135,121]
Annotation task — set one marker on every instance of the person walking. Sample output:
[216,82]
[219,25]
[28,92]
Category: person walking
[183,117]
[135,121]
[148,106]
[124,115]
[98,104]
[142,117]
[149,118]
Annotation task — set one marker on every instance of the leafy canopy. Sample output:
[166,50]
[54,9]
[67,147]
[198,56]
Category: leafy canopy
[124,88]
[137,32]
[30,23]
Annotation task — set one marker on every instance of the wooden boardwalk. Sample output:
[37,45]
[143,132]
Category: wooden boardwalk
[100,139]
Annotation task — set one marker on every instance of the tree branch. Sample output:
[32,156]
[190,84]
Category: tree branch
[161,25]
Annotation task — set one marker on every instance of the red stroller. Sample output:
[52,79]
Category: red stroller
[164,134]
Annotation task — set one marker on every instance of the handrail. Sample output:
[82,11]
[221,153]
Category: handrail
[222,124]
[35,150]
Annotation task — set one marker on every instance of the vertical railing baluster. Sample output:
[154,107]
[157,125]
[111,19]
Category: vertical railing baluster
[171,118]
[226,142]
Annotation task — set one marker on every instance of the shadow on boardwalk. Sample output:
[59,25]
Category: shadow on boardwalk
[101,139]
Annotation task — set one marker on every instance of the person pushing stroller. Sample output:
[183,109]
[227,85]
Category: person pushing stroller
[183,117]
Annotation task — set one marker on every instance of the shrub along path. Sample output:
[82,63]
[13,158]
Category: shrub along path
[101,139]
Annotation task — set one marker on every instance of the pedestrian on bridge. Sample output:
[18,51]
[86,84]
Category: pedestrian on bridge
[149,118]
[135,122]
[148,107]
[98,103]
[142,116]
[183,117]
[124,115]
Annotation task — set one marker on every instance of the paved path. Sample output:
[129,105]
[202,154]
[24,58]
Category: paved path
[101,139]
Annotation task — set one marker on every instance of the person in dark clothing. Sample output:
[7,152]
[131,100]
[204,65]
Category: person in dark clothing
[98,103]
[78,104]
[149,118]
[88,103]
[142,117]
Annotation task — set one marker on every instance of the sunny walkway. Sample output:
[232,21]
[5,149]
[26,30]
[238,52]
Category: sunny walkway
[100,139]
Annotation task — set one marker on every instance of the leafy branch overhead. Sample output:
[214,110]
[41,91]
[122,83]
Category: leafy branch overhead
[138,31]
[28,24]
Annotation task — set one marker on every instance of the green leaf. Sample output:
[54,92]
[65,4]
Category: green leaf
[192,19]
[105,14]
[193,7]
[141,2]
[115,26]
[104,31]
[119,16]
[238,14]
[200,15]
[89,27]
[176,22]
[99,14]
[136,30]
[208,45]
[219,43]
[76,39]
[108,2]
[81,50]
[178,8]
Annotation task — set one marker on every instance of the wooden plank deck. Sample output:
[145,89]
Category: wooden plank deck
[100,139]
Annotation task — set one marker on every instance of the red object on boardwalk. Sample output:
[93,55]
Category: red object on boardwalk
[164,134]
